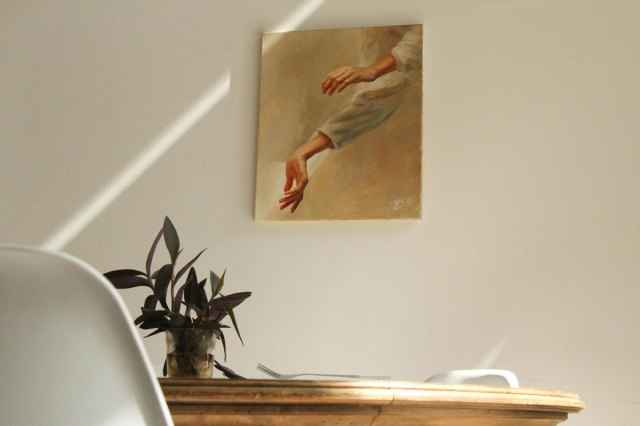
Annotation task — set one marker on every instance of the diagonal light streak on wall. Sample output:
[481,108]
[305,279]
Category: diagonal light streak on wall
[161,144]
[293,21]
[490,357]
[114,188]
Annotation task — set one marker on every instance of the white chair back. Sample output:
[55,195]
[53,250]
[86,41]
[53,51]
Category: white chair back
[69,353]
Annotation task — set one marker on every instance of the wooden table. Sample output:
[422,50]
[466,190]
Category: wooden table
[306,402]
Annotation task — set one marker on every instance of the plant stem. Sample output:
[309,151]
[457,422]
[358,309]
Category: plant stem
[173,284]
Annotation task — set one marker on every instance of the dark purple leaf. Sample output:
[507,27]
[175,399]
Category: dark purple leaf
[150,303]
[123,273]
[219,304]
[187,266]
[178,299]
[155,322]
[159,330]
[220,335]
[162,283]
[202,295]
[125,282]
[152,252]
[229,373]
[191,291]
[179,321]
[150,315]
[171,239]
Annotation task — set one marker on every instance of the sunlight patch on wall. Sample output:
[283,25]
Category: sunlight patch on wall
[293,21]
[114,188]
[158,147]
[492,355]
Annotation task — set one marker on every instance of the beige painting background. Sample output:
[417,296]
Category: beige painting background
[378,176]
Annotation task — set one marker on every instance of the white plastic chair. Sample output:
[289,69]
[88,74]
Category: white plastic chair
[69,354]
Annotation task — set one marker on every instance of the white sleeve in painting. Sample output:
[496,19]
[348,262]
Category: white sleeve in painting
[408,53]
[378,100]
[366,110]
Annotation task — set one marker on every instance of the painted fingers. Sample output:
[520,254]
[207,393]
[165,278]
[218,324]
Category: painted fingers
[296,171]
[339,79]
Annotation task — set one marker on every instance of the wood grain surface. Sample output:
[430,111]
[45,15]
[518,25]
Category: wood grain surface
[307,402]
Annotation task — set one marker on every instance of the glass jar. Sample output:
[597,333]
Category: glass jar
[190,352]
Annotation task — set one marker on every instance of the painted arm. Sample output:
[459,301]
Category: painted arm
[296,170]
[374,103]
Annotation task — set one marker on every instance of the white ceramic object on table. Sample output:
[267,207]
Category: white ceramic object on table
[485,377]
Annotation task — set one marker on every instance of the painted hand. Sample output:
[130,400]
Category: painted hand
[339,79]
[296,170]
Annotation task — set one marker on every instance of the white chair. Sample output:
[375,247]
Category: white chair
[69,353]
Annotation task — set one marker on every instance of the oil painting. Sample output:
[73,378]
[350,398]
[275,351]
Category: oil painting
[340,125]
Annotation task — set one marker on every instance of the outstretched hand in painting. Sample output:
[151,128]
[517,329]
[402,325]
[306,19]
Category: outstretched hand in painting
[339,79]
[296,170]
[336,81]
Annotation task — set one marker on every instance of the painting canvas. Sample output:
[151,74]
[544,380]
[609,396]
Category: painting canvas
[340,125]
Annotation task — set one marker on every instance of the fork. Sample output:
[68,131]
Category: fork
[279,376]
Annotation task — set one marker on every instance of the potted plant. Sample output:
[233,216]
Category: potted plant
[191,320]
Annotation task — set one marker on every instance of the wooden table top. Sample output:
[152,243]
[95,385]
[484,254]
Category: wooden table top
[308,402]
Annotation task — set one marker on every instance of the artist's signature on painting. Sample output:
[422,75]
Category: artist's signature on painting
[398,204]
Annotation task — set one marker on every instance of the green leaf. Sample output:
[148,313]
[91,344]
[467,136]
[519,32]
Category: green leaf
[216,283]
[171,239]
[213,281]
[233,320]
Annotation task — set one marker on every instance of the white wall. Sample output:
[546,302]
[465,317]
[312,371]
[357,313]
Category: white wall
[527,257]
